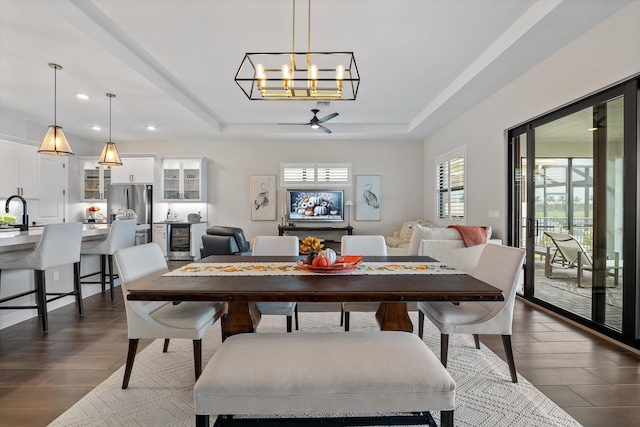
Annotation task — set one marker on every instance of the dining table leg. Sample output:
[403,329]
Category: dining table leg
[242,317]
[393,316]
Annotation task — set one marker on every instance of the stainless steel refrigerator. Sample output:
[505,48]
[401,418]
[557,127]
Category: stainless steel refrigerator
[124,199]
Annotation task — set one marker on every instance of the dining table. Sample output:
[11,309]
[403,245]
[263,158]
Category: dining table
[241,281]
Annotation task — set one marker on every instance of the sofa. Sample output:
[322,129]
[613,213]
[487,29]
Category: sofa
[402,237]
[445,245]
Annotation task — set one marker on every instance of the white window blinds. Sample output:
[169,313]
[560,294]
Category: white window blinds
[315,174]
[450,181]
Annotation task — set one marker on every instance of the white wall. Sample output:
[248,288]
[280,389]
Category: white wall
[605,55]
[232,163]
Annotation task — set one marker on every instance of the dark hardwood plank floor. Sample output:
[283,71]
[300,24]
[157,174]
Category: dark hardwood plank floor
[42,375]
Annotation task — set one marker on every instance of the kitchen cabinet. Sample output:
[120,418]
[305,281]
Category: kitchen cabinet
[134,170]
[184,180]
[160,237]
[19,169]
[96,180]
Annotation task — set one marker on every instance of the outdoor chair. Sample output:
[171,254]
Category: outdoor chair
[569,254]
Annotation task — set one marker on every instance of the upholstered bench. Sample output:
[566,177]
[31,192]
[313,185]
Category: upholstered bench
[319,374]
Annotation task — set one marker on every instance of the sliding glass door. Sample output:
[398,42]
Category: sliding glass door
[569,179]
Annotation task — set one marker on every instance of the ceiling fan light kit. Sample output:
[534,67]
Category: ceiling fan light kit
[303,76]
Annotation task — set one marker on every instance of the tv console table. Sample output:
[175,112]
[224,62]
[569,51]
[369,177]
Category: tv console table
[330,235]
[283,229]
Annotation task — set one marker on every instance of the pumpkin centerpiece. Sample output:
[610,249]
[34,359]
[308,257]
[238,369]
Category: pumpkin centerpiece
[326,258]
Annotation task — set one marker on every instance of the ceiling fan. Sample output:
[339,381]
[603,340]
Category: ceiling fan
[315,122]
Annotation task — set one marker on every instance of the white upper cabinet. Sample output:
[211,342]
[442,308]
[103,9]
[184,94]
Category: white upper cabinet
[19,169]
[134,170]
[96,180]
[184,180]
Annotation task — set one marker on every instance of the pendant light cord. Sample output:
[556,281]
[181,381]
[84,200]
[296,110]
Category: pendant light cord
[55,96]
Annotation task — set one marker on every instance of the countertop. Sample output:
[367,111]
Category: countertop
[15,238]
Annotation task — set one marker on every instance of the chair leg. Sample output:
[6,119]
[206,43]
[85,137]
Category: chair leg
[77,288]
[289,323]
[346,321]
[476,339]
[420,324]
[295,311]
[131,356]
[444,349]
[42,298]
[103,272]
[341,315]
[506,342]
[197,357]
[165,348]
[110,258]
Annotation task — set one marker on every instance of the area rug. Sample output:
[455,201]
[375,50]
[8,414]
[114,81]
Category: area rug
[160,392]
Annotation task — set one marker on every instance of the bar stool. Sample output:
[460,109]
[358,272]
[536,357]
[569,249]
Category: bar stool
[58,246]
[121,235]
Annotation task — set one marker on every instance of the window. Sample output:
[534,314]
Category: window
[315,174]
[450,181]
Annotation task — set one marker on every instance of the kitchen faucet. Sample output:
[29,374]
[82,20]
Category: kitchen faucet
[25,218]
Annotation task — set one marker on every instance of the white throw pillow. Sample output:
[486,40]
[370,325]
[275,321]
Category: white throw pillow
[407,230]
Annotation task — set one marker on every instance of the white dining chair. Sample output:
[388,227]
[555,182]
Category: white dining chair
[160,319]
[365,246]
[500,266]
[122,234]
[282,246]
[58,246]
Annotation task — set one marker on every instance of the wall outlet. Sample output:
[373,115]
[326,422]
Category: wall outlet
[494,214]
[56,276]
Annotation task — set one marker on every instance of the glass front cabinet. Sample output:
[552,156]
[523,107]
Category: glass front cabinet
[184,180]
[96,180]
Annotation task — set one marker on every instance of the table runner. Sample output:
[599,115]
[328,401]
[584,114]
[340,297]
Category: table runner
[293,269]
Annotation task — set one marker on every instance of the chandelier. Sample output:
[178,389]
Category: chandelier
[55,142]
[317,76]
[110,155]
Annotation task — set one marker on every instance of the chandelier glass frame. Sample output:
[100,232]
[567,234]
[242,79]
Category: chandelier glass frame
[304,76]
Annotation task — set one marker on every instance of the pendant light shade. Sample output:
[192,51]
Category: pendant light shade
[55,142]
[110,155]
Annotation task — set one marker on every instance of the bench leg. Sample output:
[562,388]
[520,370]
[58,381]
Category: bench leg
[165,347]
[202,420]
[420,324]
[446,418]
[346,321]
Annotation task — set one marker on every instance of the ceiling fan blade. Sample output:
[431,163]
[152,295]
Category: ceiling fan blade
[293,124]
[328,117]
[324,129]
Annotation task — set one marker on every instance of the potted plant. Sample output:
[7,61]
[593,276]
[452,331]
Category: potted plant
[7,221]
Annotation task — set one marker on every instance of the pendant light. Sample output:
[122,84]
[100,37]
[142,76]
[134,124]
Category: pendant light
[54,142]
[110,155]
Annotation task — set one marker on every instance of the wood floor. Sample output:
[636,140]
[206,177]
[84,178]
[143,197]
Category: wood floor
[42,375]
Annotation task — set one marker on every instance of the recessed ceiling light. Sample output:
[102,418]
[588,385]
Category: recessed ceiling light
[96,127]
[82,96]
[150,127]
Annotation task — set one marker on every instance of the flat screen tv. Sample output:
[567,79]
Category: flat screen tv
[315,205]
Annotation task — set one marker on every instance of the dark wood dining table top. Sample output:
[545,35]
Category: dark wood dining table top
[316,287]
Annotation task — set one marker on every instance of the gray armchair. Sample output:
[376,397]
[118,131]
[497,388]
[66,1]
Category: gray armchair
[221,240]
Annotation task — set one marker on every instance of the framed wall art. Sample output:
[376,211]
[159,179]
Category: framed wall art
[368,197]
[263,198]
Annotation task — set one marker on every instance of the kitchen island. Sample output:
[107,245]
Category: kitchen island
[58,279]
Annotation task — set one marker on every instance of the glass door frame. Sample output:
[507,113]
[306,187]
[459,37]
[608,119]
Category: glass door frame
[630,334]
